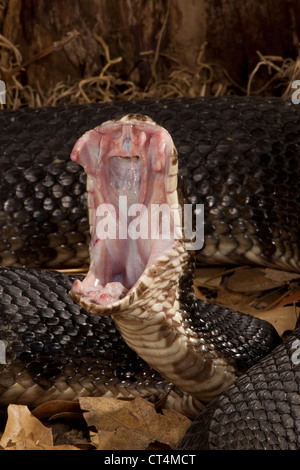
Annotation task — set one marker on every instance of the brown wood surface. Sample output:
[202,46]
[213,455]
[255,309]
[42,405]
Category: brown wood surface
[148,36]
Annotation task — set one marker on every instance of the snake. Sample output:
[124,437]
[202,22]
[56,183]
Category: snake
[133,325]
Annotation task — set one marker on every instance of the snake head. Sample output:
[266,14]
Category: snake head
[131,166]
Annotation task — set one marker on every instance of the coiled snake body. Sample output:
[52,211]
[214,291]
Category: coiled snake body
[239,157]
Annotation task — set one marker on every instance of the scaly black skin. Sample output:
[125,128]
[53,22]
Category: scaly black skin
[50,337]
[233,148]
[260,411]
[239,338]
[237,156]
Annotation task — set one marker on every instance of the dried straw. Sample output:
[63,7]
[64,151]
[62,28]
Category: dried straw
[181,80]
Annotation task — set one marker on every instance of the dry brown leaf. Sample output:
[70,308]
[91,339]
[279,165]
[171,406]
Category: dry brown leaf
[281,276]
[28,444]
[283,318]
[289,299]
[54,407]
[261,292]
[132,425]
[251,280]
[102,440]
[254,279]
[23,431]
[210,276]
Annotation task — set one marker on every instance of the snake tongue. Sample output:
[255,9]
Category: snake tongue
[127,162]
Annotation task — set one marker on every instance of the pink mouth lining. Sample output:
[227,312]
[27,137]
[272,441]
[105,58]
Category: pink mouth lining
[123,158]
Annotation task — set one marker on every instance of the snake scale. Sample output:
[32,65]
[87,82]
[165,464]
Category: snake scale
[237,156]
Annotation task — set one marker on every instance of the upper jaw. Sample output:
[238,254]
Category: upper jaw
[131,164]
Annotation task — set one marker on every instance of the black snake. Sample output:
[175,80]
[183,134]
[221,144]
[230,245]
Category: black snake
[237,156]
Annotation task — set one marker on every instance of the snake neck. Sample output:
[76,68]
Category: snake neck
[154,326]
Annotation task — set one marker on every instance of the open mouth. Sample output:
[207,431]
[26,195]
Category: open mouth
[131,166]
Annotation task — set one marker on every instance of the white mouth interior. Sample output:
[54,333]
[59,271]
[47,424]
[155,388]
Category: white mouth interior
[125,175]
[127,164]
